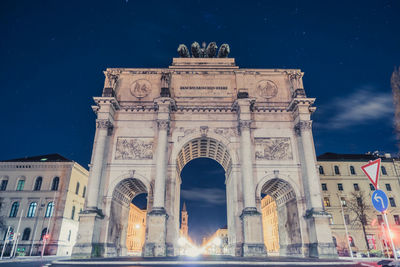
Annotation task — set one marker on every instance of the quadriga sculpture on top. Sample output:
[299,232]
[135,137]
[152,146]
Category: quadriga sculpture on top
[203,52]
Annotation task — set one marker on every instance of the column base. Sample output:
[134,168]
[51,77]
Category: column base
[253,245]
[322,246]
[295,250]
[87,244]
[155,245]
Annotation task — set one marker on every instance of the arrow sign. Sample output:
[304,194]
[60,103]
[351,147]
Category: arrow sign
[380,200]
[372,171]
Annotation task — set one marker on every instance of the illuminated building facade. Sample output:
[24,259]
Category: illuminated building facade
[216,244]
[270,224]
[47,192]
[136,230]
[341,176]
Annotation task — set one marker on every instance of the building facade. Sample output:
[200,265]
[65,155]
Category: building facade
[47,192]
[217,243]
[136,230]
[270,224]
[342,181]
[255,122]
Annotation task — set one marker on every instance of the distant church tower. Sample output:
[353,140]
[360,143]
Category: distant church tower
[184,221]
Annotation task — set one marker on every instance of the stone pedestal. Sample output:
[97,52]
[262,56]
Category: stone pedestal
[253,245]
[318,223]
[87,243]
[156,233]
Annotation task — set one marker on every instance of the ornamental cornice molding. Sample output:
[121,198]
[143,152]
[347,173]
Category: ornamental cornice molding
[300,101]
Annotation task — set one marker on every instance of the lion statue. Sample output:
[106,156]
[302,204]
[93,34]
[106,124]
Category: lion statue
[211,50]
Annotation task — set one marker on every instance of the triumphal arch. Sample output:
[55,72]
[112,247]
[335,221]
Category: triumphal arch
[254,122]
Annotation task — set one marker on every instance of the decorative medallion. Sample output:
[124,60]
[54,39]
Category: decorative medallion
[267,89]
[141,88]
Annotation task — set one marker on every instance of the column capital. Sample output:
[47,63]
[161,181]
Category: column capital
[103,124]
[302,126]
[163,124]
[244,124]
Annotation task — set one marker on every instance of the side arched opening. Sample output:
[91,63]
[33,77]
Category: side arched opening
[280,218]
[123,216]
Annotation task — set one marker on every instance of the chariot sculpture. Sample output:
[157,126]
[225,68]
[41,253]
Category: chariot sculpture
[204,52]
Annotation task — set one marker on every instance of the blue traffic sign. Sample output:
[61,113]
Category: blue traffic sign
[380,200]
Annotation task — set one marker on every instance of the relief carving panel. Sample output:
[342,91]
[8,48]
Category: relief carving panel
[134,148]
[273,148]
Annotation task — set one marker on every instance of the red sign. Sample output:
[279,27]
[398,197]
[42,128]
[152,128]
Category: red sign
[372,171]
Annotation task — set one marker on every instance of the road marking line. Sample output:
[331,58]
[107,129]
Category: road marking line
[199,262]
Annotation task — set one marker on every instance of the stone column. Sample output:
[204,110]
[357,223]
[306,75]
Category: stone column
[103,128]
[253,244]
[320,235]
[155,245]
[88,242]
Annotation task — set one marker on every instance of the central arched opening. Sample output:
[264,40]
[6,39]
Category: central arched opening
[280,218]
[127,224]
[203,166]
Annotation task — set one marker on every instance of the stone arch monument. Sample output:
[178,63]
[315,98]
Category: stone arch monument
[254,122]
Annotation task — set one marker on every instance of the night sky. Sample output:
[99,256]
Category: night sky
[52,54]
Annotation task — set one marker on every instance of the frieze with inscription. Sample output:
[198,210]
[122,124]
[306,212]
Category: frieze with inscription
[273,148]
[134,148]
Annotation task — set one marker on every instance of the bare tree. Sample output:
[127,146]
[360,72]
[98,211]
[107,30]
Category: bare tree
[358,205]
[395,83]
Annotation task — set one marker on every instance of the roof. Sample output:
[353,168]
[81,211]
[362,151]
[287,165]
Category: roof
[42,158]
[329,156]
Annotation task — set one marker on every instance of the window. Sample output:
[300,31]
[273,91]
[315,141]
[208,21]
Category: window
[26,234]
[371,242]
[359,201]
[396,219]
[20,185]
[32,210]
[380,219]
[392,202]
[324,187]
[44,232]
[351,241]
[356,187]
[388,187]
[38,184]
[383,169]
[352,170]
[364,219]
[84,191]
[343,201]
[337,171]
[49,210]
[54,184]
[3,185]
[347,218]
[327,203]
[77,188]
[372,187]
[73,213]
[5,233]
[69,235]
[14,209]
[321,170]
[340,187]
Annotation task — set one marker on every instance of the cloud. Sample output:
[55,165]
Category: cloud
[211,196]
[358,108]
